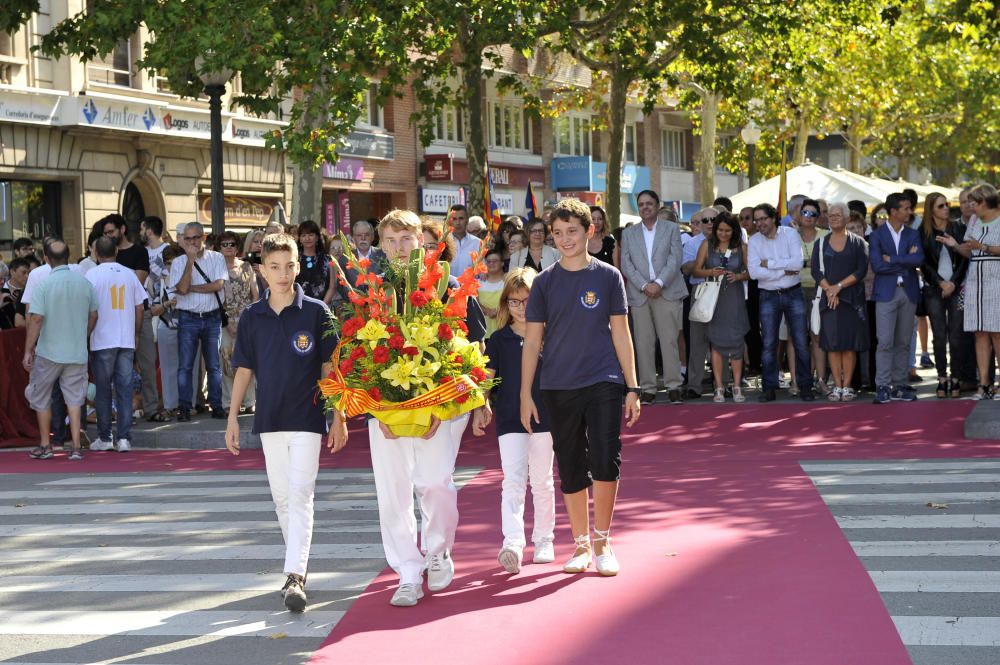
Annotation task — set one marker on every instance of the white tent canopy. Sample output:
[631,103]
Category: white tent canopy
[818,182]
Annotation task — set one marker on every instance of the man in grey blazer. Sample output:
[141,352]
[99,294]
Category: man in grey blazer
[651,264]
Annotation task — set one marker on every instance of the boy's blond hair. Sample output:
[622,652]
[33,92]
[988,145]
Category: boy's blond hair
[401,220]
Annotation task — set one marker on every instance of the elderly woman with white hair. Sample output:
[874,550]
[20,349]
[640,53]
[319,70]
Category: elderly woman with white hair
[839,265]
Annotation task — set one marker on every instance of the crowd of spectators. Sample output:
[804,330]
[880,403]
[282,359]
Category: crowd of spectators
[828,301]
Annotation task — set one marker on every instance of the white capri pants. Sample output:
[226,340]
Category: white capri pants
[292,460]
[527,458]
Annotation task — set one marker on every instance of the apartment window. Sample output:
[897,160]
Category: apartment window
[115,68]
[572,135]
[510,127]
[673,151]
[630,143]
[373,115]
[448,126]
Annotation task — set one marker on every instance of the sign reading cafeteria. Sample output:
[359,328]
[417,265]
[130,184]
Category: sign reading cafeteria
[440,199]
[241,210]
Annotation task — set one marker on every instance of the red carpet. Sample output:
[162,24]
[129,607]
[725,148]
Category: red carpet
[728,553]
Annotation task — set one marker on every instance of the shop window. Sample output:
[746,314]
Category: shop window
[673,153]
[448,126]
[572,135]
[29,210]
[510,127]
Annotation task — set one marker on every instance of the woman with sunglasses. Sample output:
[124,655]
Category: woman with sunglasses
[943,271]
[241,291]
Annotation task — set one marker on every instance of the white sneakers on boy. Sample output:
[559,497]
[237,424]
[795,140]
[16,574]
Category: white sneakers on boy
[545,552]
[510,558]
[101,444]
[407,595]
[440,571]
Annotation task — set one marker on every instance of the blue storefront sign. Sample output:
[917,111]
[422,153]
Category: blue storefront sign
[571,174]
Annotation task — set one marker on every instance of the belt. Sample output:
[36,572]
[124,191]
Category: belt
[784,290]
[200,315]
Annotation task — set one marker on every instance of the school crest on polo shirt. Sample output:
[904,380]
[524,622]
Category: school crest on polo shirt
[303,342]
[590,299]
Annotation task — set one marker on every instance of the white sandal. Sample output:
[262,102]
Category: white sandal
[579,563]
[607,563]
[720,395]
[738,395]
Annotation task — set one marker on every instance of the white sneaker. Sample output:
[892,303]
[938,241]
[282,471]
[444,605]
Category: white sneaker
[579,563]
[124,446]
[607,563]
[545,552]
[407,595]
[846,394]
[440,571]
[101,444]
[510,558]
[836,394]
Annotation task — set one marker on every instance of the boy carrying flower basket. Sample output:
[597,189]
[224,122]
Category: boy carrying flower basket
[410,356]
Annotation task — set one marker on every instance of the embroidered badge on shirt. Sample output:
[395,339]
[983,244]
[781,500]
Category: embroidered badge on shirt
[302,343]
[590,300]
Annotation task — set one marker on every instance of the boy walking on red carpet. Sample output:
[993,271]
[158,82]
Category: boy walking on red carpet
[579,303]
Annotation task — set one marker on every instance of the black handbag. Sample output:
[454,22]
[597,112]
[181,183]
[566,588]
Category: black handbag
[222,310]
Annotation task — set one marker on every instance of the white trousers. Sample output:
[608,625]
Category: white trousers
[524,458]
[292,460]
[406,465]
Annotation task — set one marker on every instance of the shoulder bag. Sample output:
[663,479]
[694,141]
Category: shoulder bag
[222,310]
[706,296]
[815,322]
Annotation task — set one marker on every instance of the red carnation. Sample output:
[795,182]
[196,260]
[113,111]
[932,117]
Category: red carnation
[445,332]
[352,326]
[397,342]
[477,374]
[381,354]
[464,328]
[358,353]
[419,299]
[410,350]
[375,394]
[346,366]
[447,379]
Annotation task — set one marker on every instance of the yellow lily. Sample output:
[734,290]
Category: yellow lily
[402,373]
[373,332]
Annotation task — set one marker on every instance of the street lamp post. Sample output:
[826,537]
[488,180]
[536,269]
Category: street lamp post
[215,87]
[750,135]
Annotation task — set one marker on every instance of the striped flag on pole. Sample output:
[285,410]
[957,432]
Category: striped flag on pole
[491,211]
[531,203]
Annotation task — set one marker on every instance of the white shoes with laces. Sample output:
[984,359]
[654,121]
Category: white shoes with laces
[101,445]
[510,558]
[407,595]
[545,552]
[607,563]
[580,561]
[440,571]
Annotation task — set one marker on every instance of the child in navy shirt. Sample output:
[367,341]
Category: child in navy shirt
[578,305]
[282,340]
[523,456]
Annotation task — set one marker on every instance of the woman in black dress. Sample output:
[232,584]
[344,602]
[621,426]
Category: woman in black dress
[602,244]
[315,275]
[840,274]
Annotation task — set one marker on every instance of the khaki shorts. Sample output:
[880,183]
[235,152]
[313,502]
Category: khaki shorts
[72,380]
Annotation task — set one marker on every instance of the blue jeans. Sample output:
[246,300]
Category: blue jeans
[113,367]
[791,304]
[192,329]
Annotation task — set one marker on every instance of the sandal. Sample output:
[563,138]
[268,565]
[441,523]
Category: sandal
[75,455]
[41,452]
[159,417]
[738,396]
[942,389]
[955,389]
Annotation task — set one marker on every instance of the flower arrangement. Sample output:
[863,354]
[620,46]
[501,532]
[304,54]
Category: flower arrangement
[407,367]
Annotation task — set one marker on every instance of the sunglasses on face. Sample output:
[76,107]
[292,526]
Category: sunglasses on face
[941,205]
[810,213]
[227,244]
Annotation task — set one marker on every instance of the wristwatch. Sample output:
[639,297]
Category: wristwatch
[635,391]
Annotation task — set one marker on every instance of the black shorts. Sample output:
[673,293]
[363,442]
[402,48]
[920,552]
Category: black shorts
[586,433]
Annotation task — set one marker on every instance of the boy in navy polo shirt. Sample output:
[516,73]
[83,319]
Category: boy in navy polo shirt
[579,303]
[282,340]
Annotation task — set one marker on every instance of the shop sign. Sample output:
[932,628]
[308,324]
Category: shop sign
[35,109]
[571,173]
[252,131]
[439,167]
[117,114]
[590,198]
[440,199]
[240,210]
[188,124]
[369,145]
[505,202]
[344,205]
[346,168]
[500,174]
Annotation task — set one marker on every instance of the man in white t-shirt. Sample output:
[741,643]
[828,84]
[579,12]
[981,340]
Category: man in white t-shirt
[199,278]
[120,299]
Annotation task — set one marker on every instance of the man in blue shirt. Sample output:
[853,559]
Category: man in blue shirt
[282,340]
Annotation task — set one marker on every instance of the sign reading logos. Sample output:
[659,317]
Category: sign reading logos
[188,124]
[369,145]
[440,199]
[254,131]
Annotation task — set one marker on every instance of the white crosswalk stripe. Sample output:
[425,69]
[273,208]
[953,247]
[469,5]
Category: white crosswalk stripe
[932,554]
[181,568]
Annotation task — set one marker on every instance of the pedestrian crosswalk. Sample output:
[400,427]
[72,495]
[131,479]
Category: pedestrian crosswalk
[928,532]
[174,569]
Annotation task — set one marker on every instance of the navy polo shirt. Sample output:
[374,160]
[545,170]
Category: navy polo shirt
[504,350]
[286,352]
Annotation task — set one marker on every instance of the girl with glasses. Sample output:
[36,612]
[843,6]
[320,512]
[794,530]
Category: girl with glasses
[490,286]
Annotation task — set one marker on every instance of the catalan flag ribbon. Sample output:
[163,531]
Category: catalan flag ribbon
[783,185]
[491,211]
[531,203]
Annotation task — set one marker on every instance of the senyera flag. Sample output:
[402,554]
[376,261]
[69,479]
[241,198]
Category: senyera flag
[531,203]
[491,211]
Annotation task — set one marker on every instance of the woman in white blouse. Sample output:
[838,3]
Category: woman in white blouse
[537,254]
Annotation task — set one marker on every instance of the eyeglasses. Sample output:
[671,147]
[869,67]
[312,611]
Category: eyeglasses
[537,230]
[517,302]
[227,244]
[941,205]
[810,213]
[761,219]
[197,237]
[430,246]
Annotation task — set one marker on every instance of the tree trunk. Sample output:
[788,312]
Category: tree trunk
[903,166]
[474,95]
[706,151]
[616,145]
[307,194]
[801,139]
[854,152]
